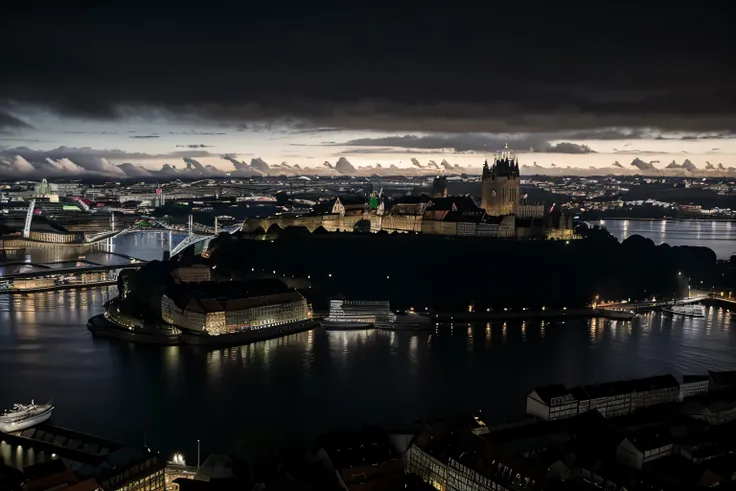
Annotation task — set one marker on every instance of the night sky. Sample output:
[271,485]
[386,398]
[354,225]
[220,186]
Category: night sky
[88,87]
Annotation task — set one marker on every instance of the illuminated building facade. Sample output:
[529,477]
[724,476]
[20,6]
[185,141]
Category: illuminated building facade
[364,311]
[195,273]
[610,399]
[232,307]
[501,185]
[502,212]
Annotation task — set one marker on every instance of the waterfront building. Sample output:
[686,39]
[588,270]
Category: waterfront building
[56,458]
[217,308]
[611,399]
[715,407]
[653,391]
[551,402]
[692,385]
[365,312]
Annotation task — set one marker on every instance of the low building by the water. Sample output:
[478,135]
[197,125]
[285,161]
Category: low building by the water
[692,385]
[611,399]
[359,311]
[217,308]
[50,457]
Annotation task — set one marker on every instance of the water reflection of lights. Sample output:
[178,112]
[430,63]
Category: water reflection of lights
[503,332]
[172,359]
[488,332]
[413,348]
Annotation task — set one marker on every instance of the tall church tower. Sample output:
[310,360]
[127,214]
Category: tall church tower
[501,184]
[439,187]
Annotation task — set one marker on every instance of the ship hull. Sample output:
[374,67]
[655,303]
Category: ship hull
[7,427]
[347,326]
[697,315]
[421,326]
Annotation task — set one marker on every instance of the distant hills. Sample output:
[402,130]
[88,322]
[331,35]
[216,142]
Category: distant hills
[636,167]
[18,167]
[259,167]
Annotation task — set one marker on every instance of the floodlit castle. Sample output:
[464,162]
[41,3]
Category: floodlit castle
[502,212]
[501,186]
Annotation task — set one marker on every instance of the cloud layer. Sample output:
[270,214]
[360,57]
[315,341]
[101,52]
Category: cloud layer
[558,68]
[467,142]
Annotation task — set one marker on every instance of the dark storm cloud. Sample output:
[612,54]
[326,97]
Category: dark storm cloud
[81,154]
[562,68]
[379,150]
[707,136]
[469,142]
[567,147]
[10,123]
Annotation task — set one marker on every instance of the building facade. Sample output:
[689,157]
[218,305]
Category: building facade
[215,315]
[551,403]
[692,385]
[500,185]
[611,399]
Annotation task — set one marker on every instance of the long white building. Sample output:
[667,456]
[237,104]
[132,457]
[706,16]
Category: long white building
[231,307]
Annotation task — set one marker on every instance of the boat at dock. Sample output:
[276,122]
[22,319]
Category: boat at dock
[411,321]
[23,416]
[348,315]
[690,310]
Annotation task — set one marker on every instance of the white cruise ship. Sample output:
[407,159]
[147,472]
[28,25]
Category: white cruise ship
[686,310]
[358,314]
[24,416]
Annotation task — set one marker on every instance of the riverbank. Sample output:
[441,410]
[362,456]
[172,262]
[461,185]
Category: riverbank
[533,314]
[67,286]
[105,325]
[698,218]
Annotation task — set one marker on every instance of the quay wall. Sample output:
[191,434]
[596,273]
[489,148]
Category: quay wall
[532,314]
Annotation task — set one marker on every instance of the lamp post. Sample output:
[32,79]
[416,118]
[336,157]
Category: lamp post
[197,454]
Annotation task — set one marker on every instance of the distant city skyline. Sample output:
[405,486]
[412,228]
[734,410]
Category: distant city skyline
[91,146]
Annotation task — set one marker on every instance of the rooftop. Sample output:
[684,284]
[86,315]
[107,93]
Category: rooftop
[87,456]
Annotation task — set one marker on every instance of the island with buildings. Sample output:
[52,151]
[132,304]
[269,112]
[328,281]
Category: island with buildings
[431,253]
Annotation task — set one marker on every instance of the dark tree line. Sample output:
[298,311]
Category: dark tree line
[447,273]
